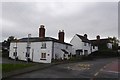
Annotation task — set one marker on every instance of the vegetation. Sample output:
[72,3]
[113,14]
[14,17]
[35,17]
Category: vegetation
[12,67]
[105,53]
[6,45]
[115,42]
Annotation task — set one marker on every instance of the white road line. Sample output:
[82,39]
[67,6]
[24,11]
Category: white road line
[96,74]
[112,71]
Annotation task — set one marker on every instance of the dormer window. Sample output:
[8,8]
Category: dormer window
[43,45]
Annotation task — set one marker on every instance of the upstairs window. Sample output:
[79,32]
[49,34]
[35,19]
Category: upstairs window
[43,45]
[85,44]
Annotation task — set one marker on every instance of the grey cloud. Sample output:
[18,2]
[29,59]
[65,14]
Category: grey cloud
[93,19]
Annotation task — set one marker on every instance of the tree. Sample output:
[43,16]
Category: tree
[6,44]
[115,42]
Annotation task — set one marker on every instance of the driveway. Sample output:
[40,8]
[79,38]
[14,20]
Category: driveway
[86,69]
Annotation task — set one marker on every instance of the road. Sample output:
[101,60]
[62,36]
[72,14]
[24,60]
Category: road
[100,68]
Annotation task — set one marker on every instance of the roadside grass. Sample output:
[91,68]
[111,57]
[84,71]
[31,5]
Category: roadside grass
[0,53]
[12,67]
[0,67]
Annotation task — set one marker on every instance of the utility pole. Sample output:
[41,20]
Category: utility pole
[28,47]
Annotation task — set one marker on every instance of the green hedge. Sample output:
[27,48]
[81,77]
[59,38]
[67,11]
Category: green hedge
[105,53]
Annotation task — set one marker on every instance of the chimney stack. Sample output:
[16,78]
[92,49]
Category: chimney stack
[41,31]
[61,35]
[98,37]
[85,35]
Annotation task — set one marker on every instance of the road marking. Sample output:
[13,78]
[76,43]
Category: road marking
[96,74]
[112,71]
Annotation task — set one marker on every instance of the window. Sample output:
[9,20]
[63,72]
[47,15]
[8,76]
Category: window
[93,47]
[85,44]
[43,55]
[14,53]
[43,45]
[27,54]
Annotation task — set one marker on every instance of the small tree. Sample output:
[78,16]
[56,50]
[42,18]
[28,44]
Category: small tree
[6,44]
[115,42]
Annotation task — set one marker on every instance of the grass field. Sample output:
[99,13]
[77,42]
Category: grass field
[12,67]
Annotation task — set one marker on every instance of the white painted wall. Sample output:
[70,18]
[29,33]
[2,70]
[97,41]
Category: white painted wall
[58,53]
[35,51]
[109,45]
[95,48]
[11,50]
[87,47]
[78,44]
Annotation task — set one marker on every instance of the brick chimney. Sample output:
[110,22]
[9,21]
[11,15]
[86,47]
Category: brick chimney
[85,35]
[98,37]
[41,31]
[61,35]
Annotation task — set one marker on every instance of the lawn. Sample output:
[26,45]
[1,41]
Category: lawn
[12,67]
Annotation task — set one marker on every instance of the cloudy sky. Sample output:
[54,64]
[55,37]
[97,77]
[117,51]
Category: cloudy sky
[93,18]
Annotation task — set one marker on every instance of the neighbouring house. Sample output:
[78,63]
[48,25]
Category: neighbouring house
[82,45]
[102,43]
[119,49]
[0,46]
[41,49]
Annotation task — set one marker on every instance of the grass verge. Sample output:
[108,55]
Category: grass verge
[12,67]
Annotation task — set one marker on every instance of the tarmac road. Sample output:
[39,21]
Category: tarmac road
[86,69]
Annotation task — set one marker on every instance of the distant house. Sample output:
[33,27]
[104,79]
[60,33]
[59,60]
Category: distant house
[102,43]
[41,49]
[82,45]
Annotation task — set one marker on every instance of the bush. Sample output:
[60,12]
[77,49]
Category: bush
[105,53]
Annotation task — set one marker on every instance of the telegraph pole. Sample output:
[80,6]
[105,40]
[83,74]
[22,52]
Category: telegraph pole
[28,47]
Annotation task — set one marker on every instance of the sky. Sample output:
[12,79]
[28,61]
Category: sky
[92,18]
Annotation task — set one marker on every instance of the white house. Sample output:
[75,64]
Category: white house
[40,49]
[82,46]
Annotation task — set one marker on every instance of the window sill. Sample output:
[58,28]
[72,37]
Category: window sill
[42,59]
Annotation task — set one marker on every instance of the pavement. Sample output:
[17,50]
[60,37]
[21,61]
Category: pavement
[87,69]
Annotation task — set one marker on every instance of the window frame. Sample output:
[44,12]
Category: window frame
[43,55]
